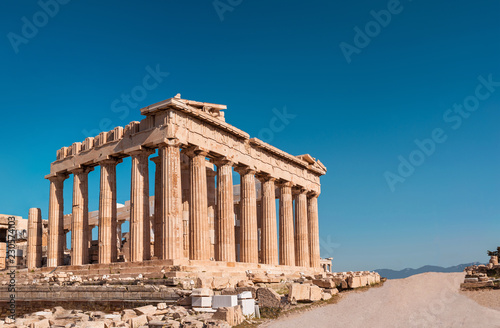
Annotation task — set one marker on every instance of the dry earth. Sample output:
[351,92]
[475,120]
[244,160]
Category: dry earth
[424,300]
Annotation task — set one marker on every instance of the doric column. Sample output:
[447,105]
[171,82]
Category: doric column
[186,194]
[158,218]
[301,234]
[107,212]
[225,239]
[171,232]
[312,218]
[80,219]
[139,245]
[287,243]
[249,249]
[199,243]
[55,249]
[119,236]
[34,238]
[269,231]
[211,212]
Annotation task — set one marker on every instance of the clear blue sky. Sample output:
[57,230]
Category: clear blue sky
[67,76]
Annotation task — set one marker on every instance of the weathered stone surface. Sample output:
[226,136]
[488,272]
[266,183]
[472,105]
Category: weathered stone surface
[216,324]
[41,324]
[164,324]
[326,296]
[299,292]
[191,323]
[147,310]
[267,297]
[232,315]
[315,293]
[138,321]
[354,282]
[324,283]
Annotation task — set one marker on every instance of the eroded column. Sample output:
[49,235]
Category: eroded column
[225,238]
[301,229]
[199,245]
[140,248]
[80,219]
[249,250]
[107,212]
[269,230]
[158,218]
[312,217]
[55,249]
[211,211]
[286,229]
[34,259]
[172,230]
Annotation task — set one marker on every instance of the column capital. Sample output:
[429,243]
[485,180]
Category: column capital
[110,160]
[170,143]
[156,160]
[283,183]
[244,170]
[222,161]
[312,194]
[211,172]
[264,177]
[82,169]
[140,150]
[297,190]
[192,151]
[57,177]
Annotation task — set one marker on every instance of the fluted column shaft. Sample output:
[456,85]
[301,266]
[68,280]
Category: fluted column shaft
[140,248]
[158,217]
[186,195]
[55,251]
[225,239]
[34,259]
[80,221]
[170,158]
[301,230]
[249,249]
[312,213]
[269,230]
[211,210]
[199,244]
[107,213]
[286,229]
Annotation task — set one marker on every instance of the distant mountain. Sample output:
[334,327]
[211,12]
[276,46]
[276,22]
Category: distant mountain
[392,274]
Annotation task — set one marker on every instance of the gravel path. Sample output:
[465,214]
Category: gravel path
[424,300]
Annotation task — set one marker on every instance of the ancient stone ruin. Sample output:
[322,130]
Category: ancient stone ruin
[201,251]
[189,137]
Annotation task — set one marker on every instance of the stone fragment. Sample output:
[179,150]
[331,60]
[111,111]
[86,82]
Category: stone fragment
[40,324]
[232,315]
[245,283]
[164,324]
[224,301]
[268,298]
[324,283]
[216,324]
[299,292]
[191,323]
[202,292]
[147,310]
[315,293]
[326,296]
[161,306]
[128,314]
[138,321]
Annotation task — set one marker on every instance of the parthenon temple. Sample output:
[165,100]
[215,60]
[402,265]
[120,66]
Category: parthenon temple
[196,212]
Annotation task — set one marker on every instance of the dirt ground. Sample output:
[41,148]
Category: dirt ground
[424,300]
